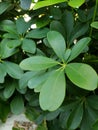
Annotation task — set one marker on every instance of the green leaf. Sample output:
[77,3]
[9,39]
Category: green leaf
[53,91]
[37,33]
[9,89]
[78,31]
[79,47]
[2,73]
[76,3]
[67,54]
[23,82]
[8,26]
[95,125]
[17,105]
[5,51]
[68,23]
[4,6]
[4,111]
[22,26]
[94,24]
[29,45]
[82,75]
[57,42]
[37,63]
[47,3]
[37,80]
[14,43]
[57,26]
[93,101]
[25,4]
[11,36]
[75,117]
[13,69]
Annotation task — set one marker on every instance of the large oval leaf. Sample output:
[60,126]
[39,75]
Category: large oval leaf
[53,91]
[82,75]
[57,42]
[37,63]
[78,47]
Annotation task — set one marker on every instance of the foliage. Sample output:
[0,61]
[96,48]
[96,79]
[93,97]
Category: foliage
[49,62]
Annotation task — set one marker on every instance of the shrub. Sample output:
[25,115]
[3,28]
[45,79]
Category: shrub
[49,62]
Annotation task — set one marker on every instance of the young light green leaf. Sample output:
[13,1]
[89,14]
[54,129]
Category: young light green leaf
[75,117]
[9,89]
[79,47]
[37,63]
[82,75]
[57,42]
[13,69]
[2,73]
[53,91]
[29,45]
[76,3]
[17,105]
[94,24]
[47,3]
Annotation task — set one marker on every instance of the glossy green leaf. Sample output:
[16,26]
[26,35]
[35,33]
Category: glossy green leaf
[8,26]
[22,26]
[82,75]
[25,4]
[9,89]
[94,24]
[57,26]
[4,6]
[23,82]
[29,45]
[79,47]
[47,3]
[38,33]
[68,23]
[11,36]
[37,80]
[53,91]
[36,63]
[76,3]
[2,73]
[67,54]
[13,69]
[57,42]
[75,117]
[14,43]
[78,31]
[5,51]
[17,105]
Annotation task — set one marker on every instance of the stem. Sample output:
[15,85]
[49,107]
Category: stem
[95,11]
